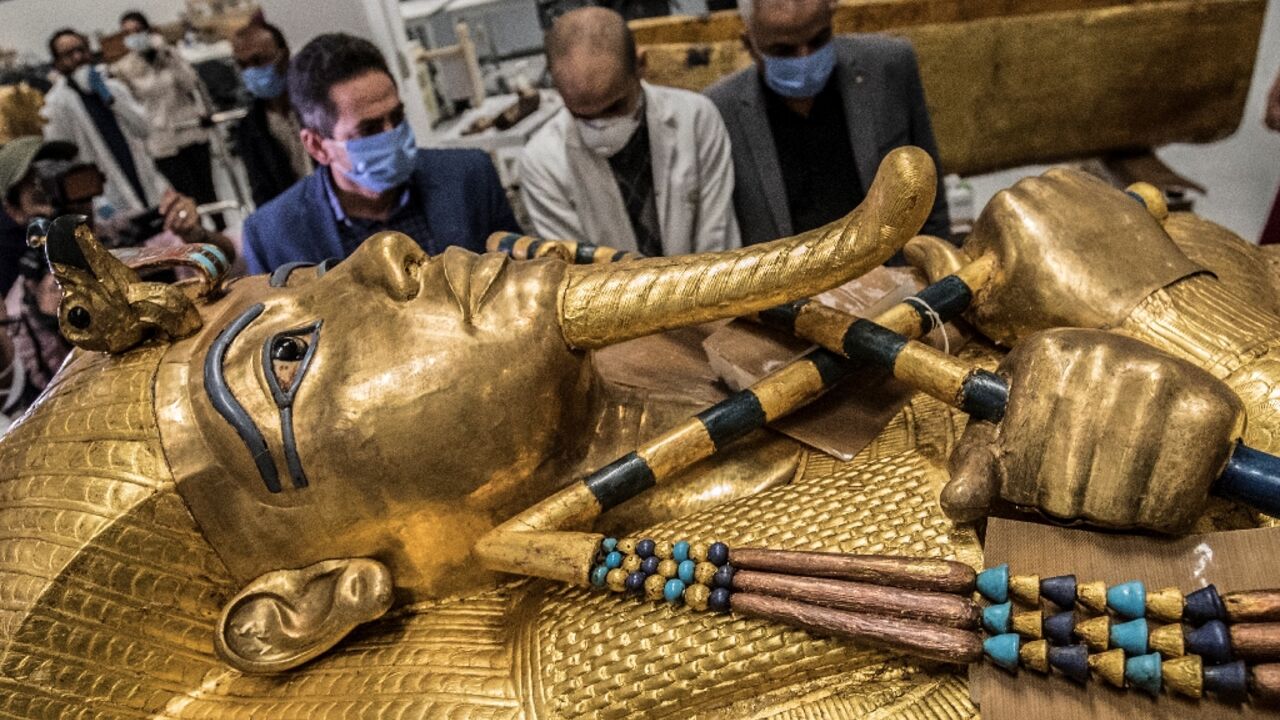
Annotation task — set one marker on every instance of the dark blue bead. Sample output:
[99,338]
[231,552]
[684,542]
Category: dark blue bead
[1059,628]
[1211,641]
[635,582]
[1060,591]
[719,600]
[1204,605]
[723,577]
[718,553]
[644,548]
[649,565]
[1229,681]
[1071,660]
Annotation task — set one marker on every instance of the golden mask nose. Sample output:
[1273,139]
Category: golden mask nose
[391,261]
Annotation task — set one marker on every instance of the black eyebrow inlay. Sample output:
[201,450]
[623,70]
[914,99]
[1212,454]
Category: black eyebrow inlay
[224,401]
[284,397]
[325,266]
[280,276]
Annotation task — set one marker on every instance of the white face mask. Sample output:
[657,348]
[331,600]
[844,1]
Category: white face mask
[81,75]
[138,41]
[607,136]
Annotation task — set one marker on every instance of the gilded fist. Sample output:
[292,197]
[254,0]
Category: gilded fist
[1099,428]
[1071,251]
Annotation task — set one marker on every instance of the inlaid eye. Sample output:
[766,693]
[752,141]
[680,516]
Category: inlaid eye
[288,349]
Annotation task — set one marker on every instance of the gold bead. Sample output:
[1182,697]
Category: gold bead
[616,579]
[1166,605]
[627,546]
[703,572]
[1093,596]
[653,587]
[668,568]
[1096,633]
[1028,624]
[662,549]
[1184,675]
[1168,641]
[695,596]
[698,551]
[1025,589]
[631,563]
[1154,199]
[1109,666]
[1035,655]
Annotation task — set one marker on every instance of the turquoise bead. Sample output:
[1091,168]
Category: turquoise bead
[1143,672]
[1129,599]
[995,618]
[673,590]
[685,571]
[598,575]
[1130,636]
[993,583]
[680,551]
[1003,650]
[613,560]
[609,544]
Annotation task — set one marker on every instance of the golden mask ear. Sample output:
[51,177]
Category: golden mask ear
[288,617]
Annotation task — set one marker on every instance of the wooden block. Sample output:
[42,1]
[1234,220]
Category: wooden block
[940,608]
[1256,606]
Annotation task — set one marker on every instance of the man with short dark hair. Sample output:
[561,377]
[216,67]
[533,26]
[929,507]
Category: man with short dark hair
[811,121]
[102,118]
[371,175]
[268,138]
[627,164]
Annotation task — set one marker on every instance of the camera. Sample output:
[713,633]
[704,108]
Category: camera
[68,184]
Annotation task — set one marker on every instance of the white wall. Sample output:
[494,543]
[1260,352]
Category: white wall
[301,20]
[25,25]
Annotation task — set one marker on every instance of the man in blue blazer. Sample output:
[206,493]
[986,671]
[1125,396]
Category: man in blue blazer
[370,175]
[812,119]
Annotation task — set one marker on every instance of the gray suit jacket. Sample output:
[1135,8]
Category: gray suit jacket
[884,107]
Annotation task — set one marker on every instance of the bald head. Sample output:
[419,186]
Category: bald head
[786,28]
[592,57]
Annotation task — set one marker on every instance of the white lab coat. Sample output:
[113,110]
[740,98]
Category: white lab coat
[68,120]
[571,193]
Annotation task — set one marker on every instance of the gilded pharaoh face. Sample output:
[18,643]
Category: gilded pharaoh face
[392,406]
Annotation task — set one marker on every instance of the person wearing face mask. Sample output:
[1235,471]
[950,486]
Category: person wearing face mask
[43,180]
[169,90]
[625,164]
[811,121]
[101,116]
[268,139]
[370,175]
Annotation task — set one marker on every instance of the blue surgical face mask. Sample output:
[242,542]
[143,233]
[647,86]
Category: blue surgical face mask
[138,42]
[265,82]
[383,161]
[800,77]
